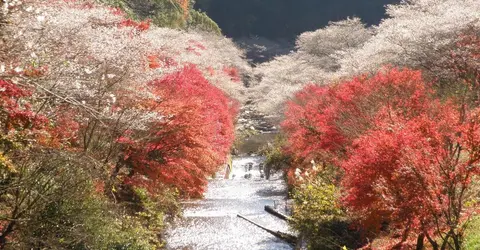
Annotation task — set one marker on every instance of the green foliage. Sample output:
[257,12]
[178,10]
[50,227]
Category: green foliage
[163,13]
[242,136]
[85,222]
[318,216]
[122,4]
[166,13]
[153,207]
[50,201]
[472,234]
[275,154]
[200,20]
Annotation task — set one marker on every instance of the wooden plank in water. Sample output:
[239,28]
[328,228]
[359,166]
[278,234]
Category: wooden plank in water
[284,236]
[277,214]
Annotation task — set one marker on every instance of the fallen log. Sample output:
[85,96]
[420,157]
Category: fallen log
[277,214]
[291,239]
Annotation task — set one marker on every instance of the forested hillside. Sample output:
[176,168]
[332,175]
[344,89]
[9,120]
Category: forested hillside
[285,19]
[267,28]
[167,13]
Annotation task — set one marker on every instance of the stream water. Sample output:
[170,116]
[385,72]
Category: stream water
[212,223]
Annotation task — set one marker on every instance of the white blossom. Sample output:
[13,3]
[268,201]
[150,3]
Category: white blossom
[315,61]
[416,34]
[91,58]
[40,18]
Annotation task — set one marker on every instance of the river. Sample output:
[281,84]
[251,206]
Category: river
[212,223]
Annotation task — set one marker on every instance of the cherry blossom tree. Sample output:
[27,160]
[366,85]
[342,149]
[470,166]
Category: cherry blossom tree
[90,66]
[417,34]
[130,111]
[316,58]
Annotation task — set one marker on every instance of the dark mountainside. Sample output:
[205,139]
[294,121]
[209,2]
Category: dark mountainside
[268,27]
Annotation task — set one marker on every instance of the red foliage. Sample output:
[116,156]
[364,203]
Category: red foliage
[153,62]
[193,50]
[197,44]
[211,71]
[190,141]
[185,5]
[17,117]
[64,130]
[323,121]
[16,114]
[140,26]
[158,61]
[35,71]
[413,171]
[233,73]
[408,158]
[117,11]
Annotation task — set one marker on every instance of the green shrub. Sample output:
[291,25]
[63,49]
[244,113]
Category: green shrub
[85,223]
[53,200]
[163,13]
[276,159]
[166,13]
[319,218]
[472,234]
[200,21]
[78,217]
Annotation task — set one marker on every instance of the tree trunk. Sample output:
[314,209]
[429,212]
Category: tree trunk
[420,239]
[445,242]
[7,231]
[432,242]
[456,241]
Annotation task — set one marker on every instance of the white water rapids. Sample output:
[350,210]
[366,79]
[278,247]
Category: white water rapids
[212,223]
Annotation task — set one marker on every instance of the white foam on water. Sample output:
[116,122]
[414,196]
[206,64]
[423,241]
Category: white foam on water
[212,223]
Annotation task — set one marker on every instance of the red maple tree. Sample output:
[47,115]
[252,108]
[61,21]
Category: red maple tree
[408,159]
[189,142]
